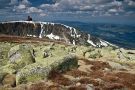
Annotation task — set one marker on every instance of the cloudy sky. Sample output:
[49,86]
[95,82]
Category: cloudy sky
[80,10]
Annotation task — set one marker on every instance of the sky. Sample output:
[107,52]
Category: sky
[76,10]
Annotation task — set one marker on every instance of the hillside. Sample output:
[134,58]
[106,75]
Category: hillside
[34,63]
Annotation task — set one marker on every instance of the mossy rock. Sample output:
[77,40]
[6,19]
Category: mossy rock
[93,54]
[66,63]
[40,71]
[4,49]
[32,72]
[21,55]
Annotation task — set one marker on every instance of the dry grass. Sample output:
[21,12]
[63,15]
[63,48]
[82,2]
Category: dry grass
[77,88]
[38,86]
[58,78]
[77,73]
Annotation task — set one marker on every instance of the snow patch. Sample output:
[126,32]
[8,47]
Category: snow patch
[103,43]
[29,35]
[74,42]
[90,42]
[40,35]
[67,26]
[74,33]
[51,36]
[34,36]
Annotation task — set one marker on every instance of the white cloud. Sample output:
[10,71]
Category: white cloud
[116,3]
[69,5]
[113,10]
[93,7]
[25,2]
[100,6]
[131,3]
[33,10]
[43,14]
[13,2]
[21,6]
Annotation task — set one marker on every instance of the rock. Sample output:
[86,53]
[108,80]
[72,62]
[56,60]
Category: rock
[107,69]
[93,54]
[52,31]
[115,65]
[4,48]
[126,54]
[36,71]
[9,80]
[21,55]
[90,87]
[78,84]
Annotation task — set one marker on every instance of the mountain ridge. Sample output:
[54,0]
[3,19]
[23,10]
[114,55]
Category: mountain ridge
[53,31]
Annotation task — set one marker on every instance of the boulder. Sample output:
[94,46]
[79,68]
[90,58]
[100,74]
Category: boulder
[124,54]
[21,55]
[39,71]
[93,54]
[4,48]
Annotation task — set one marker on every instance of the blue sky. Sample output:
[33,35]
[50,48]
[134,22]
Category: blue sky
[78,10]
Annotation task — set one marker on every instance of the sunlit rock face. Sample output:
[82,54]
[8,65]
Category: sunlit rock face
[53,31]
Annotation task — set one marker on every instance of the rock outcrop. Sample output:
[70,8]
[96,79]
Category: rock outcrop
[53,31]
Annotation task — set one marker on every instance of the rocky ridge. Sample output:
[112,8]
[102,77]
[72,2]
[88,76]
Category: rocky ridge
[52,31]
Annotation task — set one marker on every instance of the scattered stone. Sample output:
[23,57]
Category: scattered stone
[78,84]
[89,87]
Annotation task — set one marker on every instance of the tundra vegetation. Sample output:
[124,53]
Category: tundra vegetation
[57,66]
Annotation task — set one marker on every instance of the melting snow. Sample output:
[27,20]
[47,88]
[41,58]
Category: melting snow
[90,42]
[67,26]
[73,42]
[40,35]
[103,43]
[29,35]
[74,33]
[34,36]
[51,36]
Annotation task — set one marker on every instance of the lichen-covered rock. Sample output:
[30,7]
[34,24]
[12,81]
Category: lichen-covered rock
[21,55]
[109,52]
[4,48]
[32,73]
[93,54]
[39,71]
[124,54]
[66,63]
